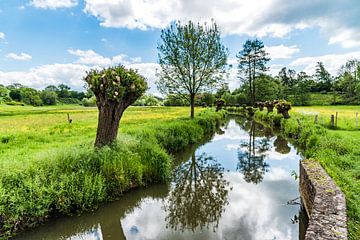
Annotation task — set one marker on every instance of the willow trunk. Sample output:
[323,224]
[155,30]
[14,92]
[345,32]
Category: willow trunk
[108,123]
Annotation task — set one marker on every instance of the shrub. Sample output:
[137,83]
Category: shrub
[283,108]
[89,102]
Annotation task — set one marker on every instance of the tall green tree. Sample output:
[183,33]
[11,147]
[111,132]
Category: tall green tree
[350,77]
[252,62]
[301,90]
[192,60]
[267,88]
[3,91]
[323,77]
[63,91]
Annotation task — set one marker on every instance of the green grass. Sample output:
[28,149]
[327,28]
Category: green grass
[338,151]
[320,99]
[28,133]
[49,166]
[346,115]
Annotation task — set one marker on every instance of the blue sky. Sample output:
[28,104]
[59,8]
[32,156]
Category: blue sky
[46,42]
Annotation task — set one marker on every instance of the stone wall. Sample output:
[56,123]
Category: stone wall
[324,203]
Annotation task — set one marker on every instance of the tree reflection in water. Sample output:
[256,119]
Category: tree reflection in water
[252,160]
[199,196]
[281,145]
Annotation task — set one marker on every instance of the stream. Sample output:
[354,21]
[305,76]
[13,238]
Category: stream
[239,184]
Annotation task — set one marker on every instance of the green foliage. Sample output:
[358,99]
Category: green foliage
[252,62]
[4,92]
[48,97]
[175,100]
[68,101]
[116,84]
[283,108]
[30,96]
[147,100]
[233,99]
[89,102]
[207,99]
[323,77]
[267,88]
[192,60]
[15,95]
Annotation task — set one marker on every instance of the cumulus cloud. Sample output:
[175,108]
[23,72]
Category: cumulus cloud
[2,36]
[332,62]
[72,74]
[19,57]
[281,51]
[52,74]
[275,18]
[53,4]
[89,57]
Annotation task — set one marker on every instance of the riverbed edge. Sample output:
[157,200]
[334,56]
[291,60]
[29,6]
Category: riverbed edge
[323,200]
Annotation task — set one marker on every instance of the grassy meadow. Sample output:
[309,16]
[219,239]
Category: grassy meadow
[49,166]
[28,132]
[346,115]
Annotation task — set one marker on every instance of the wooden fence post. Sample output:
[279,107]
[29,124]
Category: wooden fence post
[69,119]
[332,121]
[316,119]
[336,120]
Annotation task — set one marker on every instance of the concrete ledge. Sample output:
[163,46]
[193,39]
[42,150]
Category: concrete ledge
[324,202]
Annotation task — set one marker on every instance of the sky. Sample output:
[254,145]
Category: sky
[48,42]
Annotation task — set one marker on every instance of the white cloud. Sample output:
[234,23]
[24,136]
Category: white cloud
[41,76]
[2,35]
[281,51]
[19,57]
[22,7]
[274,69]
[147,70]
[275,18]
[53,4]
[72,74]
[332,62]
[89,57]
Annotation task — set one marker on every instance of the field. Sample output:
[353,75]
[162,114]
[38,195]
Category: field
[27,133]
[49,166]
[346,115]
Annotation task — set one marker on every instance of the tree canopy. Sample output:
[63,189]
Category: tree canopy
[115,88]
[252,62]
[192,60]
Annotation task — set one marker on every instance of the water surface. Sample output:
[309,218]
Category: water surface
[235,186]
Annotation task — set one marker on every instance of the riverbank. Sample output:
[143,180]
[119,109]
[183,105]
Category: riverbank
[336,150]
[75,177]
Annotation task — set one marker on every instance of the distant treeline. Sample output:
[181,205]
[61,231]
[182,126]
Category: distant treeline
[299,88]
[17,94]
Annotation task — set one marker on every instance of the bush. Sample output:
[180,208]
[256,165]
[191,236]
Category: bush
[69,101]
[89,102]
[48,97]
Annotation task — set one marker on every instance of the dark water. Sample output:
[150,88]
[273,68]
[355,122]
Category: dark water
[235,186]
